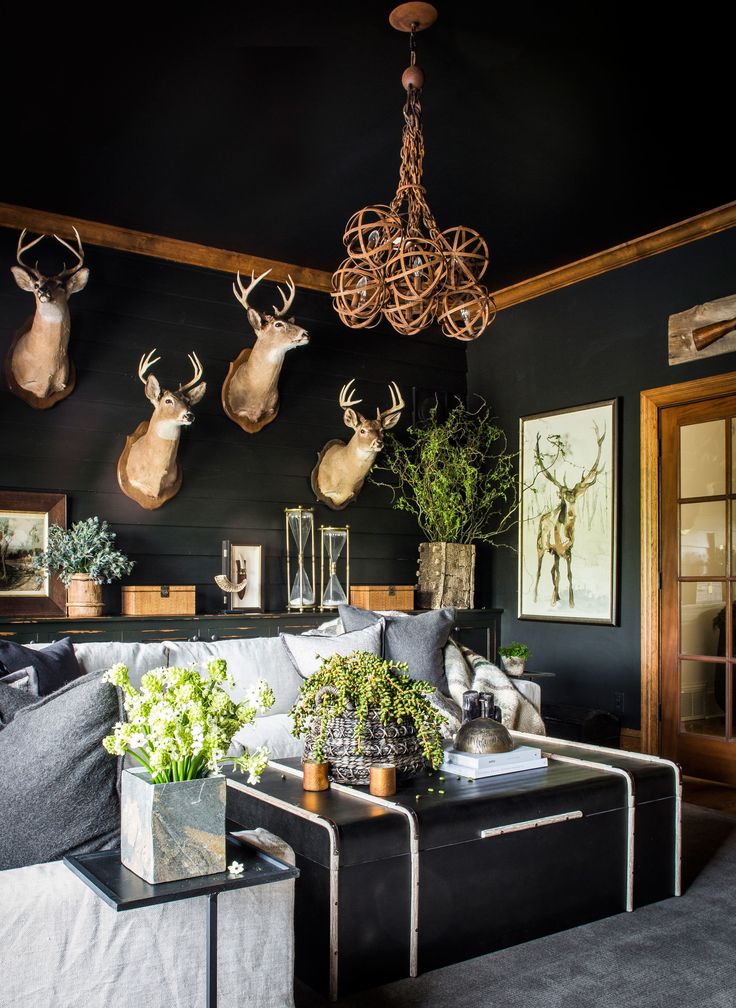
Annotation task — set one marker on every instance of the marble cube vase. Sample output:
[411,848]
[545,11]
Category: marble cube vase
[172,831]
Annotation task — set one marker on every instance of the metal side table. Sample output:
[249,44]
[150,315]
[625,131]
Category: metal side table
[122,889]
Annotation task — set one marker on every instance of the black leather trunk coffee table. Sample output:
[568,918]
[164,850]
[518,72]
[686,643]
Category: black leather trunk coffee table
[389,888]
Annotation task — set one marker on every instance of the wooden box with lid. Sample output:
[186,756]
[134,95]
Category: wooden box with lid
[159,600]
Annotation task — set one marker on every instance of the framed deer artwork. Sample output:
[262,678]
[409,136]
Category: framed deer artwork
[568,514]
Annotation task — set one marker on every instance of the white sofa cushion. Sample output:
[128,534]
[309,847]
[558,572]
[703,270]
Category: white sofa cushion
[248,660]
[273,731]
[97,656]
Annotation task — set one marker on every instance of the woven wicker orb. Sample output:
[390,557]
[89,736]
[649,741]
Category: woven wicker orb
[357,294]
[464,314]
[414,271]
[467,256]
[409,317]
[372,233]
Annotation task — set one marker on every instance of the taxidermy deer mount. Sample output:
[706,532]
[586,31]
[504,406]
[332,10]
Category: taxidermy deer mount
[148,470]
[37,366]
[341,468]
[250,392]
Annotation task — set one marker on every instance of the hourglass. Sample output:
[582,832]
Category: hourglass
[300,532]
[333,541]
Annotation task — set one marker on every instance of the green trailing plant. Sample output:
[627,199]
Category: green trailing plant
[181,722]
[86,548]
[455,476]
[361,682]
[515,650]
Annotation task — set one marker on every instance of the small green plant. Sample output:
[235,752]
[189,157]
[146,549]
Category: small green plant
[360,682]
[456,476]
[515,650]
[86,548]
[181,722]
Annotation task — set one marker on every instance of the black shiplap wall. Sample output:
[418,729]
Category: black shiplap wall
[595,340]
[236,485]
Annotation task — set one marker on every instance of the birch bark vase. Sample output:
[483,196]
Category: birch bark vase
[172,831]
[446,575]
[83,597]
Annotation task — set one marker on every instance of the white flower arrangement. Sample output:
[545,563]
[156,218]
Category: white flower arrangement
[181,722]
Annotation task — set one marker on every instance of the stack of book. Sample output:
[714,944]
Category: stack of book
[476,766]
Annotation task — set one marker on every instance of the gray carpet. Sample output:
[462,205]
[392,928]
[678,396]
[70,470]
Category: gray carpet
[680,953]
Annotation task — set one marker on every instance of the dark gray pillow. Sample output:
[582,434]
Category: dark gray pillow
[13,699]
[58,786]
[416,640]
[55,664]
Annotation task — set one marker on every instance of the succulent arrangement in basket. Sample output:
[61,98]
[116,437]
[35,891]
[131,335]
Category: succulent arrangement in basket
[358,709]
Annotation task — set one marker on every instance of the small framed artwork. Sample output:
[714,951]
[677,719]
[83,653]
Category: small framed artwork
[242,565]
[568,514]
[24,528]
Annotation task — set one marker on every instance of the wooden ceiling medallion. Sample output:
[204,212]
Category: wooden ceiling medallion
[400,266]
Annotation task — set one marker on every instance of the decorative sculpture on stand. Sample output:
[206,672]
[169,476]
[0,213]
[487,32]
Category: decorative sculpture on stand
[341,468]
[148,470]
[250,392]
[37,367]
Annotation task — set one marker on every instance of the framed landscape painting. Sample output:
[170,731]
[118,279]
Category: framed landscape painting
[24,526]
[568,514]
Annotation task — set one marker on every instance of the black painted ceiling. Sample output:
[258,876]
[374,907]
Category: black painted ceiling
[556,132]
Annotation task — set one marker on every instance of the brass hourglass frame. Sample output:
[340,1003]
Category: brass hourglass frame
[300,559]
[332,565]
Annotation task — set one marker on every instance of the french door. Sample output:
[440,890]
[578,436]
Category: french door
[698,586]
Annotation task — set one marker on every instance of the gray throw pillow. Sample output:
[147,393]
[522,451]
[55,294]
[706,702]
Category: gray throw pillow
[307,652]
[55,664]
[58,786]
[23,678]
[416,640]
[12,699]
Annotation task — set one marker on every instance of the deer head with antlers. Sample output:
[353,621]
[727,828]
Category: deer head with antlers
[341,468]
[148,470]
[37,367]
[250,392]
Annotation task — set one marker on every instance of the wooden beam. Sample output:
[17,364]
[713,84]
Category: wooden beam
[708,223]
[171,249]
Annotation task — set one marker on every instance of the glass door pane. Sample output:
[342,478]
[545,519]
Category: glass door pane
[703,539]
[702,698]
[702,618]
[703,459]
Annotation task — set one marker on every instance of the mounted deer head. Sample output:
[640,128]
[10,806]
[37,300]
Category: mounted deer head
[37,366]
[341,468]
[148,470]
[250,393]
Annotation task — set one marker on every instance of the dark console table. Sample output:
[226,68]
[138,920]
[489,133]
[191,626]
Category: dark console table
[122,889]
[478,629]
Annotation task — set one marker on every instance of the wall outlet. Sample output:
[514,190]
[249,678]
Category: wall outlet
[618,703]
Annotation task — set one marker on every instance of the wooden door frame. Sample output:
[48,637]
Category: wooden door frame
[653,401]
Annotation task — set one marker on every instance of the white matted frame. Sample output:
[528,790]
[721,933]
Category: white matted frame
[569,514]
[244,561]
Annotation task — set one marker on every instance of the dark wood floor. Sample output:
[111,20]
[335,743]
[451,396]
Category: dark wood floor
[709,794]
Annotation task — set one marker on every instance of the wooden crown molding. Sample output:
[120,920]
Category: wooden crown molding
[692,229]
[176,250]
[171,249]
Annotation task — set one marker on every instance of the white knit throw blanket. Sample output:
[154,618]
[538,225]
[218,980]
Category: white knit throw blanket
[467,670]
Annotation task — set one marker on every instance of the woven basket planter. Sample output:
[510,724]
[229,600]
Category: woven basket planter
[381,743]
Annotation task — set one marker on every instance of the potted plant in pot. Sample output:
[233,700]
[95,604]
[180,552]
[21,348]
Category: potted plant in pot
[179,727]
[459,481]
[83,557]
[358,710]
[514,657]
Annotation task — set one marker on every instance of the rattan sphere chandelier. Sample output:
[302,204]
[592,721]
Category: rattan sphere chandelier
[399,265]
